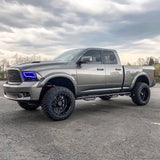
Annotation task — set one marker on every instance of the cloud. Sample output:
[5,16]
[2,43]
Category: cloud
[50,27]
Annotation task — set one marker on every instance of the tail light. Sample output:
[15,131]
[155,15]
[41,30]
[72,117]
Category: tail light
[154,73]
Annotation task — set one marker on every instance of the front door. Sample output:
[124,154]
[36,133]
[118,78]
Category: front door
[91,75]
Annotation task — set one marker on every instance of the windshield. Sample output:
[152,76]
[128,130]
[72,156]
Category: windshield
[68,56]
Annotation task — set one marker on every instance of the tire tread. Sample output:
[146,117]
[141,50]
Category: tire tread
[51,93]
[135,94]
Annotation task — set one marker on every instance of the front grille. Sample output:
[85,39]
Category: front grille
[14,76]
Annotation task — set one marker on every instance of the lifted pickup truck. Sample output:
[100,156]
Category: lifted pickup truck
[76,74]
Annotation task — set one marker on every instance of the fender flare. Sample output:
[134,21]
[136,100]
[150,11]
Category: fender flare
[57,75]
[137,76]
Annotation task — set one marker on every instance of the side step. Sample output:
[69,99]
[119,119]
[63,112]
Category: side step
[89,98]
[93,97]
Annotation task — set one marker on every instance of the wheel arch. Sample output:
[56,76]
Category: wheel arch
[142,77]
[63,80]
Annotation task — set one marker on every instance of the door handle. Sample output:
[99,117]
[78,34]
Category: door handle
[118,69]
[100,69]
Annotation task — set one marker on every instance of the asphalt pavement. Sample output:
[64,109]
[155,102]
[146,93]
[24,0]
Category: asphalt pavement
[97,130]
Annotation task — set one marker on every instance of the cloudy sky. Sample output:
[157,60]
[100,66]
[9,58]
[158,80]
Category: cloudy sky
[49,27]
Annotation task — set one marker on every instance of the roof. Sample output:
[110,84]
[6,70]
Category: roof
[100,49]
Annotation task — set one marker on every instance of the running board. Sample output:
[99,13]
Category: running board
[92,97]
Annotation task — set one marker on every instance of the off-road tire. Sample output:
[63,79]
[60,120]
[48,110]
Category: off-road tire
[30,106]
[57,99]
[105,98]
[140,94]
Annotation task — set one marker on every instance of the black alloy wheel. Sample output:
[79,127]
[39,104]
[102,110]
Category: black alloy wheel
[140,94]
[58,103]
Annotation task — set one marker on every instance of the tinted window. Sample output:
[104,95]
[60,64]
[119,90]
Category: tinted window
[95,54]
[109,57]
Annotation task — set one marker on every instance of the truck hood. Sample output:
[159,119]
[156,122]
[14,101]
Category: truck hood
[40,65]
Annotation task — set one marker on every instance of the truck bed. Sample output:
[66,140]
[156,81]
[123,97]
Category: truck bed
[131,72]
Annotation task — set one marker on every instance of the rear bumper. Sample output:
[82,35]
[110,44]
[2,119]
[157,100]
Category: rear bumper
[26,91]
[153,83]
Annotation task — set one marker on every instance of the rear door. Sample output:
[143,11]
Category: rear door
[113,70]
[91,75]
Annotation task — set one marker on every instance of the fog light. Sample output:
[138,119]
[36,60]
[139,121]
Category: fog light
[19,95]
[26,94]
[23,94]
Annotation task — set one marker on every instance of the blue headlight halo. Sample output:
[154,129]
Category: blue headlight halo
[29,76]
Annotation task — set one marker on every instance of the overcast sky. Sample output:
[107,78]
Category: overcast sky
[49,27]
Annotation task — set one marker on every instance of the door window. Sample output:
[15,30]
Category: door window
[95,54]
[109,57]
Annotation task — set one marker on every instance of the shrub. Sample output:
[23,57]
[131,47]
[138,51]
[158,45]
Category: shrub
[157,67]
[3,75]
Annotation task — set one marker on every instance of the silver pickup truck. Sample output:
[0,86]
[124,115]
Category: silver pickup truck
[76,74]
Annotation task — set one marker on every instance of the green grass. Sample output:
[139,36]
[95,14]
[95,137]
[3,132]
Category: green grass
[157,67]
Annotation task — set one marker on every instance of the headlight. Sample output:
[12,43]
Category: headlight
[30,76]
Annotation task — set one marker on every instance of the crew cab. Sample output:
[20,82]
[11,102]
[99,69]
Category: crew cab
[76,74]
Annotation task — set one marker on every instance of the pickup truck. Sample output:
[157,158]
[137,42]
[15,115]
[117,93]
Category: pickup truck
[76,74]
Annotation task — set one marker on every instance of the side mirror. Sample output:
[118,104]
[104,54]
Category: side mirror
[86,59]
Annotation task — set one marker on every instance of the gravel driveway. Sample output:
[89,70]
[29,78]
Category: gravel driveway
[97,130]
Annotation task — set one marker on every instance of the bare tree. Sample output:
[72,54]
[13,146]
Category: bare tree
[141,61]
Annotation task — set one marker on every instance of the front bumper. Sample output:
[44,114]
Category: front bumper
[20,92]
